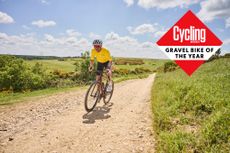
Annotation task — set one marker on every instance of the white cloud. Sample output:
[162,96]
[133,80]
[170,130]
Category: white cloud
[213,9]
[5,18]
[112,36]
[65,45]
[227,41]
[129,2]
[11,43]
[3,36]
[142,29]
[116,40]
[26,27]
[84,41]
[226,46]
[42,23]
[73,33]
[49,38]
[154,29]
[29,44]
[71,40]
[164,4]
[94,36]
[159,33]
[125,46]
[147,44]
[227,25]
[44,2]
[68,40]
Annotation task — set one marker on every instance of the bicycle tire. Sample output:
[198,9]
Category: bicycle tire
[111,93]
[92,86]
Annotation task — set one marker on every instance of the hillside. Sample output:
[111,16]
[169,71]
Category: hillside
[192,114]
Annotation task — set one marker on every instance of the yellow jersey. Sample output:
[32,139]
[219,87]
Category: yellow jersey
[102,56]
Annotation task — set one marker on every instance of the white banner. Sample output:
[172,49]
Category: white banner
[189,52]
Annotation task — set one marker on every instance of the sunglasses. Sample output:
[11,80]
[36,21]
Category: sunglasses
[97,46]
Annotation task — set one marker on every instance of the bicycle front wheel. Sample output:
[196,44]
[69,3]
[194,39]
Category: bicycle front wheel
[91,97]
[108,95]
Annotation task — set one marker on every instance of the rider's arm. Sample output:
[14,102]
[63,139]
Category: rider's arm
[110,60]
[92,56]
[91,63]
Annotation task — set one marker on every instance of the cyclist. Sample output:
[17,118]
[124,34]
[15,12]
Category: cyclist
[104,61]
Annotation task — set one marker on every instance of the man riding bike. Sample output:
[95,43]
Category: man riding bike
[104,61]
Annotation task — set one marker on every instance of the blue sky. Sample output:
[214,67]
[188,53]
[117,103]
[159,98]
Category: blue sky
[127,27]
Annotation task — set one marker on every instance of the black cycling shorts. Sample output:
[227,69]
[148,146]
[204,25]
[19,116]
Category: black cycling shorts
[101,67]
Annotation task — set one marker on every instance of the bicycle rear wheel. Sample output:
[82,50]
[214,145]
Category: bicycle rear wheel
[108,95]
[91,97]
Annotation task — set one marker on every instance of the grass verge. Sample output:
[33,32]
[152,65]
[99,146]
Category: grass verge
[11,98]
[192,114]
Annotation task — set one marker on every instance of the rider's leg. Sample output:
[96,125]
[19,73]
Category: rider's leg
[108,69]
[109,73]
[98,75]
[98,80]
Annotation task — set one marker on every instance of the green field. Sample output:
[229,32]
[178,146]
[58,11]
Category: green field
[192,114]
[65,66]
[68,64]
[151,64]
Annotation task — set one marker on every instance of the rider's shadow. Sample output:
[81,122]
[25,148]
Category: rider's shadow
[99,113]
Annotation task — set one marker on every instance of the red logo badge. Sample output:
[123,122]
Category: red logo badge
[189,43]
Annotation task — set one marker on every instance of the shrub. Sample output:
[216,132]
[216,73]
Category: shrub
[170,66]
[84,76]
[129,61]
[61,59]
[227,55]
[139,70]
[121,71]
[17,76]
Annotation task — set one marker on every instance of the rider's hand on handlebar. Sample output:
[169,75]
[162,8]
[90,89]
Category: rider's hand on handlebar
[90,68]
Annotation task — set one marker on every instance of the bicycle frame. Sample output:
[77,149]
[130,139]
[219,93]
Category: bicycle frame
[101,86]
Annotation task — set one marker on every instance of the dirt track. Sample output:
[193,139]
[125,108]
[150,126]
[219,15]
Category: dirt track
[59,123]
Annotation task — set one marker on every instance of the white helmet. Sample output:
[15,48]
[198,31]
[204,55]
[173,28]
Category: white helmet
[97,42]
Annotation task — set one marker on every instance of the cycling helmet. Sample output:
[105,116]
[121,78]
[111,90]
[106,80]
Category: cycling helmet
[97,42]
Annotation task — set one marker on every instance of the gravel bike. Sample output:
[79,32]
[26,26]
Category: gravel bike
[97,91]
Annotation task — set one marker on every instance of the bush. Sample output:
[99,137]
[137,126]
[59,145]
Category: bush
[63,75]
[61,59]
[170,66]
[15,75]
[84,76]
[127,61]
[121,72]
[139,70]
[227,55]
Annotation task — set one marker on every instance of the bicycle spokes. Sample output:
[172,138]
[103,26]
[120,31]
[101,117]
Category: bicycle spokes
[91,97]
[94,92]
